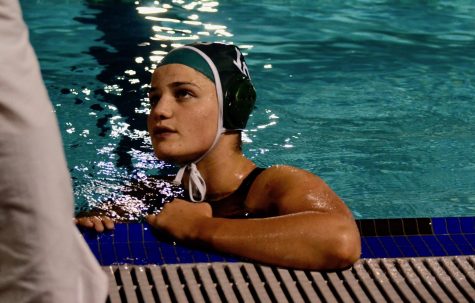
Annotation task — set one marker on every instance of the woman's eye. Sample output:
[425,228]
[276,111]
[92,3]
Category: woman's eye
[153,100]
[183,94]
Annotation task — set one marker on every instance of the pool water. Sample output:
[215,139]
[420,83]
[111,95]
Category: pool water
[375,97]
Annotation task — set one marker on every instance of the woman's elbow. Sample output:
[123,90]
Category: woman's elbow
[347,249]
[342,251]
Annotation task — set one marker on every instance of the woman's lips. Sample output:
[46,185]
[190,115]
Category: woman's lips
[163,131]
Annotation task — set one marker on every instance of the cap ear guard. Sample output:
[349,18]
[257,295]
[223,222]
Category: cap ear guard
[239,100]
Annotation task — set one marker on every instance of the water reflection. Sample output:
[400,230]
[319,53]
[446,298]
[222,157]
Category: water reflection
[148,31]
[383,94]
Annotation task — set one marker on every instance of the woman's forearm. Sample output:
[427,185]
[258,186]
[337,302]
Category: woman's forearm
[307,240]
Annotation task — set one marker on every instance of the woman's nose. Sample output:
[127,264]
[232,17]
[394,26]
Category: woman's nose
[163,108]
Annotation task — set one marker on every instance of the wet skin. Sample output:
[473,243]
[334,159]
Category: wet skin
[302,223]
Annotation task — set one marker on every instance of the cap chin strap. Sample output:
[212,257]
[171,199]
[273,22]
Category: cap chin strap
[196,183]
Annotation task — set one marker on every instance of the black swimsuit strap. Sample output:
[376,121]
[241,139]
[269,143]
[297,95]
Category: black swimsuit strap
[246,184]
[243,189]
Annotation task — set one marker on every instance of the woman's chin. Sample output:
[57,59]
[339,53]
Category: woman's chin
[166,158]
[172,158]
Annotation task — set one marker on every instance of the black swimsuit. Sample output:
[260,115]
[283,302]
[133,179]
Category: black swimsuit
[246,184]
[234,203]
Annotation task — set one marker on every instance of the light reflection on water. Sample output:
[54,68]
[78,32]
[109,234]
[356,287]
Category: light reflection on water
[103,184]
[374,96]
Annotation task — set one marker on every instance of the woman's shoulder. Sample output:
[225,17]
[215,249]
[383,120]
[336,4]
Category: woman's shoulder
[277,174]
[283,189]
[280,185]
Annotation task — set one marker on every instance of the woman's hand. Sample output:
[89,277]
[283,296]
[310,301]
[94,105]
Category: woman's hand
[99,223]
[181,219]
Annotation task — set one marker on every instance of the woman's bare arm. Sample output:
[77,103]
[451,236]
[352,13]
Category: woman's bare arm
[310,229]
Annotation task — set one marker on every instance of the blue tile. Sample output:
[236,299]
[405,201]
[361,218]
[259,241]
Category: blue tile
[107,249]
[89,235]
[138,251]
[445,240]
[94,247]
[406,247]
[471,239]
[168,253]
[454,236]
[389,247]
[108,254]
[394,251]
[148,235]
[453,225]
[153,254]
[453,250]
[376,247]
[434,246]
[366,251]
[466,249]
[124,255]
[401,241]
[439,226]
[215,257]
[416,240]
[422,251]
[230,259]
[200,256]
[421,247]
[467,225]
[449,245]
[460,240]
[121,233]
[184,254]
[409,251]
[135,232]
[106,237]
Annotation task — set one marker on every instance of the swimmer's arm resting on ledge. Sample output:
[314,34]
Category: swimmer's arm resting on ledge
[310,228]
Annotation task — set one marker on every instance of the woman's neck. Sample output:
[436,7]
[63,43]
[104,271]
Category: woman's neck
[224,168]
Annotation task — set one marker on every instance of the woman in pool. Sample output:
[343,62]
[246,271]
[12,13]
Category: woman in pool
[201,97]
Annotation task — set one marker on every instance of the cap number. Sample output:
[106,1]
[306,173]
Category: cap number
[241,65]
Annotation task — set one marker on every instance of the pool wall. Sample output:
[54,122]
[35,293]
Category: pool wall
[139,244]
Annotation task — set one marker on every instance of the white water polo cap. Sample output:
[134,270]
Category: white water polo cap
[224,65]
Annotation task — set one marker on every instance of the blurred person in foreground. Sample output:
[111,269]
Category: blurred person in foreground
[43,258]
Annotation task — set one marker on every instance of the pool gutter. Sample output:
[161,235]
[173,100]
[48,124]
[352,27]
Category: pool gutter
[426,279]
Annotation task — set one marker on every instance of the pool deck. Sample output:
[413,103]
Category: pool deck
[434,279]
[403,260]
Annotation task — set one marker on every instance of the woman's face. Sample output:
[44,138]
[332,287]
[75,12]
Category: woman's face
[183,113]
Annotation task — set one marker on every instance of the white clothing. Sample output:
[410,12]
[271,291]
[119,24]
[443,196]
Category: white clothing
[43,258]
